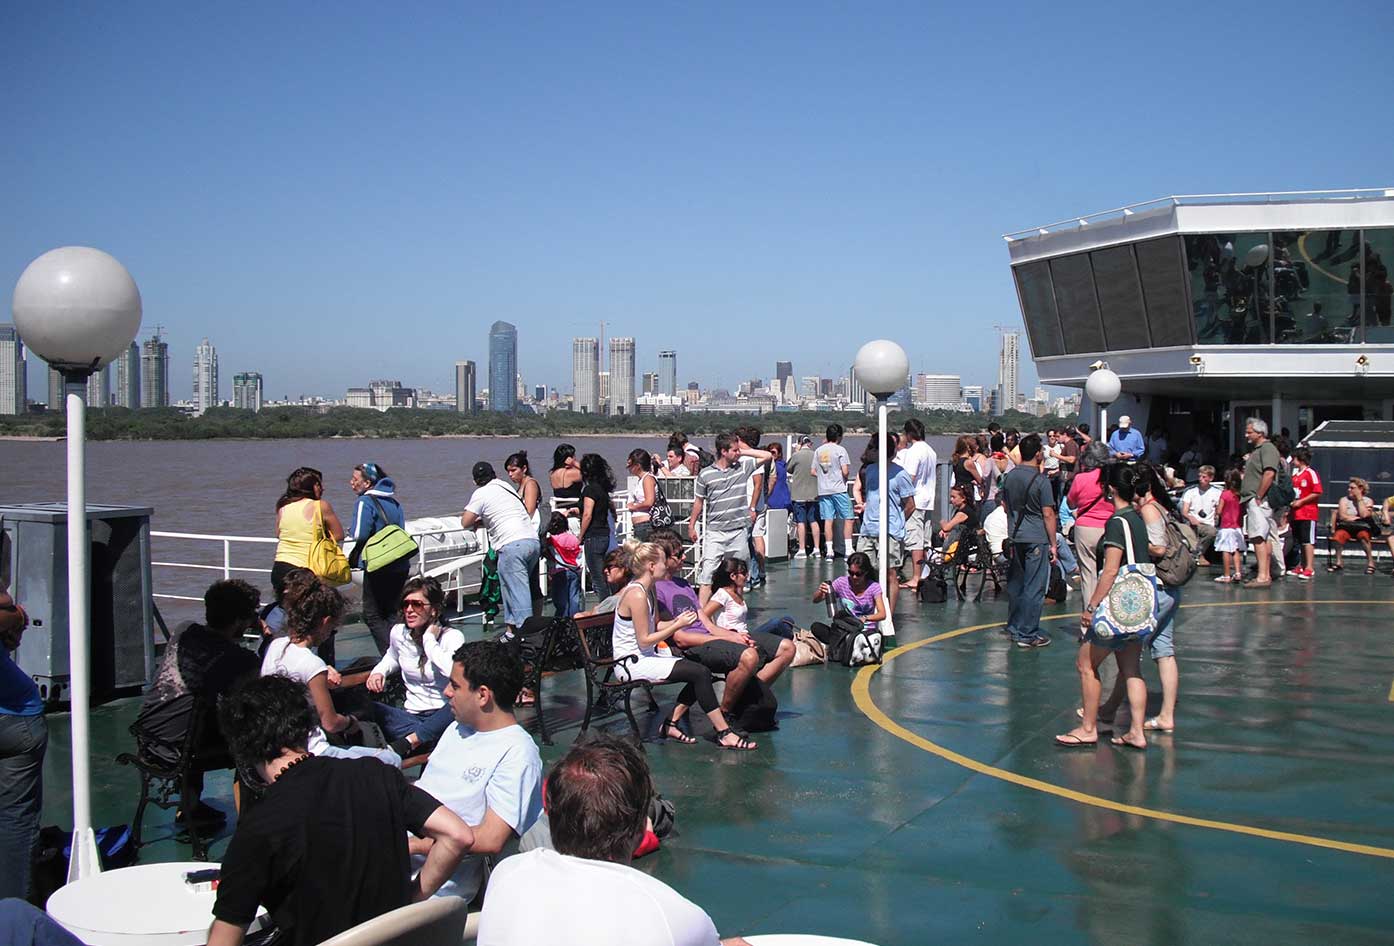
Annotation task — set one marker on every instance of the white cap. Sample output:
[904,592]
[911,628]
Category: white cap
[1125,421]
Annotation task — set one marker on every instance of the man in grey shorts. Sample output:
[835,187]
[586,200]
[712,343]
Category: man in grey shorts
[721,491]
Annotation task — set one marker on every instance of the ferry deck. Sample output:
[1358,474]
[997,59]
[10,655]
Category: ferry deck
[923,801]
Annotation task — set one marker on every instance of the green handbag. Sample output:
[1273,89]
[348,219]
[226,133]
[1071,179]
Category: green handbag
[388,545]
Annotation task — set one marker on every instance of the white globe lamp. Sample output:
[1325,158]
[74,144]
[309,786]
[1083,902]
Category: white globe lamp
[78,309]
[882,367]
[1103,387]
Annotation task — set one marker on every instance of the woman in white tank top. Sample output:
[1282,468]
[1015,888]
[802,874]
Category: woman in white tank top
[636,635]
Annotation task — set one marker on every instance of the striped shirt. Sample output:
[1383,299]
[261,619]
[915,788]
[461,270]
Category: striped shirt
[724,497]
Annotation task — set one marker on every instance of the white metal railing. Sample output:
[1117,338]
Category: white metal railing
[227,568]
[1266,197]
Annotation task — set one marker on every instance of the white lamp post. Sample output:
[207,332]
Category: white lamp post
[78,309]
[1103,388]
[882,367]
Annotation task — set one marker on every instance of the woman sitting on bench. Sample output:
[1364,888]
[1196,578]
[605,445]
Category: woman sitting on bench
[637,634]
[424,650]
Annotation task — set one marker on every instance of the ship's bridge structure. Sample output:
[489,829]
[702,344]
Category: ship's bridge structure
[1216,307]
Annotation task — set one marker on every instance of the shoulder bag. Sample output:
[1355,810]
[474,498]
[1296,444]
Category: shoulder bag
[326,559]
[388,545]
[1129,610]
[660,513]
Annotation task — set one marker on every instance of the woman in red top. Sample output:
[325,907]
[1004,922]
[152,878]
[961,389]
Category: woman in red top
[1304,510]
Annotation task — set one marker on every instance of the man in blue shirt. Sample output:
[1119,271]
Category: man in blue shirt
[900,493]
[23,739]
[1126,443]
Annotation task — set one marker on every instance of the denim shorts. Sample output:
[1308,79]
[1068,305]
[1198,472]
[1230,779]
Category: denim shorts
[804,510]
[1161,645]
[835,506]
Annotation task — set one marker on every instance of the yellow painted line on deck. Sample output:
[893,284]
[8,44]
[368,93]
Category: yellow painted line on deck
[1302,248]
[861,695]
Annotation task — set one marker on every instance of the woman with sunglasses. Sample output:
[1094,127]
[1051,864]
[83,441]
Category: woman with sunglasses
[857,591]
[423,649]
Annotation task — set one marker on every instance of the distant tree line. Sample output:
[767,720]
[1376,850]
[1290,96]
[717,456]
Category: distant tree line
[277,423]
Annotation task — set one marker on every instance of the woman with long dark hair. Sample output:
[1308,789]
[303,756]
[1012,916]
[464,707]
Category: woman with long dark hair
[599,483]
[520,472]
[566,480]
[423,649]
[642,494]
[301,513]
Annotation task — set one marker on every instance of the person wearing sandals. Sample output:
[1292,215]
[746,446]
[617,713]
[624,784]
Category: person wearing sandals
[1353,518]
[1260,473]
[637,634]
[1120,482]
[1154,504]
[1229,537]
[423,650]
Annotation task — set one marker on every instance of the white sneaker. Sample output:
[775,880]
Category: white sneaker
[800,554]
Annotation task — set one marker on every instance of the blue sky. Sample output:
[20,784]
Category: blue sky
[333,192]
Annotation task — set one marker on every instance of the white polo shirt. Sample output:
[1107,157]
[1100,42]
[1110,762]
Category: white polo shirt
[503,512]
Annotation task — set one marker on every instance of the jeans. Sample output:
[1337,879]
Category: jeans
[1066,555]
[566,592]
[428,726]
[517,561]
[382,593]
[24,925]
[782,626]
[755,571]
[596,548]
[1026,589]
[23,740]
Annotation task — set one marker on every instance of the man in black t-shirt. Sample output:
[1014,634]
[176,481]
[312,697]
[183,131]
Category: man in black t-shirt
[326,846]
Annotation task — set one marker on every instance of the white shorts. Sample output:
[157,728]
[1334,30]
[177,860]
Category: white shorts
[718,545]
[757,531]
[1258,520]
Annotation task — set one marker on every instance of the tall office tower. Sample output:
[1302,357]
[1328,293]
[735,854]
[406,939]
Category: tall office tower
[972,395]
[503,368]
[622,376]
[127,393]
[605,391]
[811,386]
[856,393]
[246,390]
[55,389]
[668,372]
[783,370]
[205,377]
[466,379]
[99,388]
[1007,376]
[154,372]
[791,393]
[14,385]
[585,375]
[650,383]
[539,394]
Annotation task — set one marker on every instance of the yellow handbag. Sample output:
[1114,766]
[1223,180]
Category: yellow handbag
[326,559]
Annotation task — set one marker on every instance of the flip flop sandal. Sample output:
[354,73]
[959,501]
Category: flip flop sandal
[1335,568]
[1152,725]
[1370,570]
[1068,741]
[1125,744]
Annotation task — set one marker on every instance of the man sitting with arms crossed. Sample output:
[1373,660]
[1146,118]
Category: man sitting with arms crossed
[325,848]
[486,768]
[584,892]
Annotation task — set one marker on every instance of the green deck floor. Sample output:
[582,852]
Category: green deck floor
[838,825]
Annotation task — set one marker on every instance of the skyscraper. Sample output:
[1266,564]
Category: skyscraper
[503,368]
[99,388]
[650,383]
[1007,375]
[55,389]
[783,370]
[622,376]
[585,375]
[205,377]
[154,372]
[466,378]
[14,385]
[127,392]
[246,390]
[668,372]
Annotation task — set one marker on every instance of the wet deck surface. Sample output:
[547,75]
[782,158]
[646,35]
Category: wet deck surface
[932,807]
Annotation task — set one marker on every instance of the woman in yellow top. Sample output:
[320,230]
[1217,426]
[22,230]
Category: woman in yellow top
[299,512]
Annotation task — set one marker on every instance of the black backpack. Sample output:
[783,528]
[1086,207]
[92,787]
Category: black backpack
[1057,589]
[705,458]
[838,636]
[1282,493]
[933,588]
[755,708]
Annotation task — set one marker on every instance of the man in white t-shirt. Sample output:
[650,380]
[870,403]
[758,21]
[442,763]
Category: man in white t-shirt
[584,892]
[919,460]
[1200,505]
[486,767]
[499,507]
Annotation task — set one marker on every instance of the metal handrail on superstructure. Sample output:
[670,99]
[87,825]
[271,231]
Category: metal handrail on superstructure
[1177,200]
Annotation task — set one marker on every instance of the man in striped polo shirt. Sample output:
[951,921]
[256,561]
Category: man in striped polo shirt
[721,490]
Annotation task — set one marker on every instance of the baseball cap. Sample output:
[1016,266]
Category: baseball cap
[1125,421]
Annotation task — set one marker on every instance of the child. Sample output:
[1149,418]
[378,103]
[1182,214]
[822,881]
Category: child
[1230,539]
[1304,509]
[563,552]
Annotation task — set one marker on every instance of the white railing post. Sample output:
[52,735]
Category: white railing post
[227,559]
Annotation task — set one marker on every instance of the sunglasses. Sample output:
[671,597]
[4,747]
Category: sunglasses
[852,574]
[415,604]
